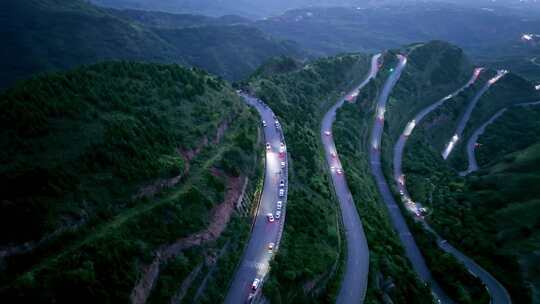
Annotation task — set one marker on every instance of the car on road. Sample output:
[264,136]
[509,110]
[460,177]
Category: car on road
[332,168]
[264,123]
[333,154]
[327,133]
[282,183]
[271,247]
[278,214]
[281,192]
[278,205]
[401,192]
[270,217]
[255,284]
[282,164]
[268,146]
[339,171]
[276,123]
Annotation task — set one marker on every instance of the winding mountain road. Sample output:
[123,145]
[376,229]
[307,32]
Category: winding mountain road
[399,147]
[398,221]
[472,142]
[468,111]
[354,285]
[498,293]
[257,255]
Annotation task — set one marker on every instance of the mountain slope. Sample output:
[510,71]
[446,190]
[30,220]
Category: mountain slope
[42,35]
[463,210]
[106,166]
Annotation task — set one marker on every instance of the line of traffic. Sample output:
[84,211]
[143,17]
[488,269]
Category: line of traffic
[467,115]
[354,284]
[398,221]
[270,216]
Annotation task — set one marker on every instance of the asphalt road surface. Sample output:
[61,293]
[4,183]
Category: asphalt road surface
[400,144]
[497,292]
[468,111]
[354,283]
[472,142]
[257,255]
[398,221]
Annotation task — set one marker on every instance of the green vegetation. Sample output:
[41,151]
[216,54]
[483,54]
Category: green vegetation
[305,267]
[90,149]
[516,129]
[451,275]
[467,211]
[45,35]
[433,71]
[391,276]
[509,90]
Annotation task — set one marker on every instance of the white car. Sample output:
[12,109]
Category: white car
[271,247]
[268,146]
[276,123]
[278,214]
[281,192]
[282,164]
[278,205]
[333,154]
[255,284]
[327,133]
[339,171]
[270,217]
[264,123]
[282,183]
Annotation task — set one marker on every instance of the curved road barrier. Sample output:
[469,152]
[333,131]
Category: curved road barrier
[496,290]
[398,221]
[267,230]
[472,142]
[468,111]
[354,285]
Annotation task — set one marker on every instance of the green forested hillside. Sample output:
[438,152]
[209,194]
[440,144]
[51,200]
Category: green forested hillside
[103,165]
[176,21]
[44,35]
[434,69]
[490,215]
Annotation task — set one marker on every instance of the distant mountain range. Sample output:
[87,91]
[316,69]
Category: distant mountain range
[44,35]
[256,9]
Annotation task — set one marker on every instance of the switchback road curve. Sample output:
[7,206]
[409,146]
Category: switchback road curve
[496,290]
